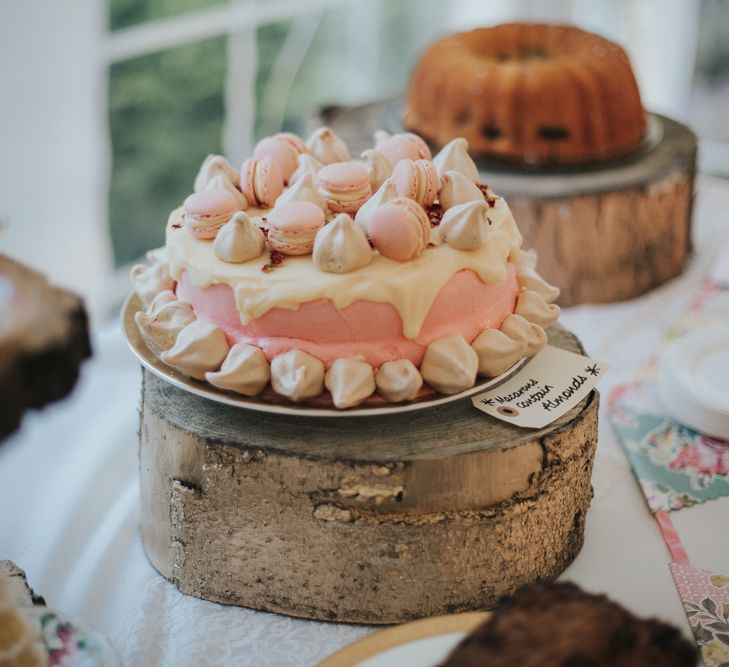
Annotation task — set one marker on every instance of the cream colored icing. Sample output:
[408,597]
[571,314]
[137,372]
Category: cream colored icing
[160,324]
[465,226]
[350,381]
[327,147]
[222,182]
[306,164]
[244,371]
[298,280]
[385,193]
[378,167]
[149,281]
[450,364]
[212,166]
[531,280]
[519,329]
[454,157]
[239,240]
[297,375]
[398,380]
[200,347]
[457,189]
[341,246]
[304,189]
[533,308]
[497,352]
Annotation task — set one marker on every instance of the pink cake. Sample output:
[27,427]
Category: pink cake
[397,294]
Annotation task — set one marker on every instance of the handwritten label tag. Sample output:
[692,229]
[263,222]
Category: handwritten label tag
[550,385]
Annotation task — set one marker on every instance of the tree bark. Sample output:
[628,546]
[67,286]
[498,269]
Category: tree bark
[371,520]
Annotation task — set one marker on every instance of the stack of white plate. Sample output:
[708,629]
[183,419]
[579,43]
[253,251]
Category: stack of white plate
[694,382]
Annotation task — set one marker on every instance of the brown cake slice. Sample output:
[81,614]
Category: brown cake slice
[43,340]
[561,625]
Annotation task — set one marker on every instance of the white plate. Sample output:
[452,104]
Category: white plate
[694,381]
[272,402]
[423,643]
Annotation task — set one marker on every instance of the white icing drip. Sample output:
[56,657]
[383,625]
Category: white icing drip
[298,281]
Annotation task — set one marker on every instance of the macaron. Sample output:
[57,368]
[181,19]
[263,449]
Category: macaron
[416,179]
[293,140]
[345,186]
[207,211]
[282,152]
[261,181]
[292,227]
[404,146]
[400,229]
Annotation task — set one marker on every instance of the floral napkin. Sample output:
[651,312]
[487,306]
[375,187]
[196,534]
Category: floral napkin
[678,467]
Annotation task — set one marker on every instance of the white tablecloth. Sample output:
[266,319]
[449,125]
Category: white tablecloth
[69,503]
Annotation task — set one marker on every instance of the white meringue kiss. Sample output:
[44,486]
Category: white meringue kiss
[531,280]
[387,192]
[304,189]
[398,380]
[497,353]
[341,246]
[222,182]
[519,329]
[297,375]
[160,324]
[327,147]
[457,189]
[212,166]
[350,381]
[200,347]
[465,226]
[149,281]
[533,308]
[239,240]
[378,167]
[306,164]
[245,371]
[450,364]
[454,157]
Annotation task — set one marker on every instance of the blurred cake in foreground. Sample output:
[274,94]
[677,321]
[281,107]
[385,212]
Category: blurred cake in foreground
[524,92]
[44,338]
[309,274]
[559,624]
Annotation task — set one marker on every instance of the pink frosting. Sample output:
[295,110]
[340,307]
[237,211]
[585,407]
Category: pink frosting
[465,306]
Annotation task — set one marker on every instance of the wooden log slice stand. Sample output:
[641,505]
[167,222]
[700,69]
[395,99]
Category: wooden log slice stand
[603,232]
[368,520]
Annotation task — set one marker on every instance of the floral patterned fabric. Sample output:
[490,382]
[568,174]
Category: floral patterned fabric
[675,466]
[705,597]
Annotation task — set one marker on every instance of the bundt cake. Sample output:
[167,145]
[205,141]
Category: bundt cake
[533,93]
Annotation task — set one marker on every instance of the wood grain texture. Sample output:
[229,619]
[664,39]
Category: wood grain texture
[604,231]
[373,520]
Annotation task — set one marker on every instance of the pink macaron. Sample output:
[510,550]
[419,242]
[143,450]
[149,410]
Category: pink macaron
[207,211]
[345,186]
[416,179]
[400,229]
[292,227]
[261,181]
[293,140]
[404,146]
[282,152]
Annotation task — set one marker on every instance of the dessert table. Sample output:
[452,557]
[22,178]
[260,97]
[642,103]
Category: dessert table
[69,510]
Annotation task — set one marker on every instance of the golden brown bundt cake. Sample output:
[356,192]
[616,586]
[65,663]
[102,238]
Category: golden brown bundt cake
[540,94]
[558,625]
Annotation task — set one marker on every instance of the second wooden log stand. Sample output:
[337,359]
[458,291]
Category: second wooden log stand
[370,520]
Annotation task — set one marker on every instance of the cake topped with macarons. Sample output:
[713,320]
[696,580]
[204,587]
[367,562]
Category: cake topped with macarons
[312,276]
